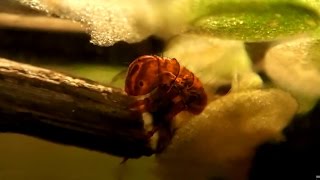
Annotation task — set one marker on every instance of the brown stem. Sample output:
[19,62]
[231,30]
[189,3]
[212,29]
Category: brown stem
[69,110]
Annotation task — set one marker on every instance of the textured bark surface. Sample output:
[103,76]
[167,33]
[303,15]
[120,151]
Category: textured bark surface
[69,110]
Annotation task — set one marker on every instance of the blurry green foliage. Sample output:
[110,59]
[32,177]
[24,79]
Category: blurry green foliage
[254,20]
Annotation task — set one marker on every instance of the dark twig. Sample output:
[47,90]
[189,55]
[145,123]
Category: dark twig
[68,110]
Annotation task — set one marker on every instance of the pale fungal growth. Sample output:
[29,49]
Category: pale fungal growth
[214,60]
[294,66]
[221,141]
[245,81]
[111,21]
[106,21]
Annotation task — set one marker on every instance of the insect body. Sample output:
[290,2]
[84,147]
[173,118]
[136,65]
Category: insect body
[168,87]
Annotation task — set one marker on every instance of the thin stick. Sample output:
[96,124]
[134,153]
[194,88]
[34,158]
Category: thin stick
[69,110]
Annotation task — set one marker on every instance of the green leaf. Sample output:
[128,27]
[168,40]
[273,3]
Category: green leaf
[253,20]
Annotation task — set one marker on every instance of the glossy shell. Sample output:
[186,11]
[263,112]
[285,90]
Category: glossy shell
[169,80]
[147,72]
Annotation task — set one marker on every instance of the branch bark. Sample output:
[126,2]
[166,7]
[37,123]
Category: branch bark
[64,109]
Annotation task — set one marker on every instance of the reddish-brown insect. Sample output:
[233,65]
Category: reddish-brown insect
[168,87]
